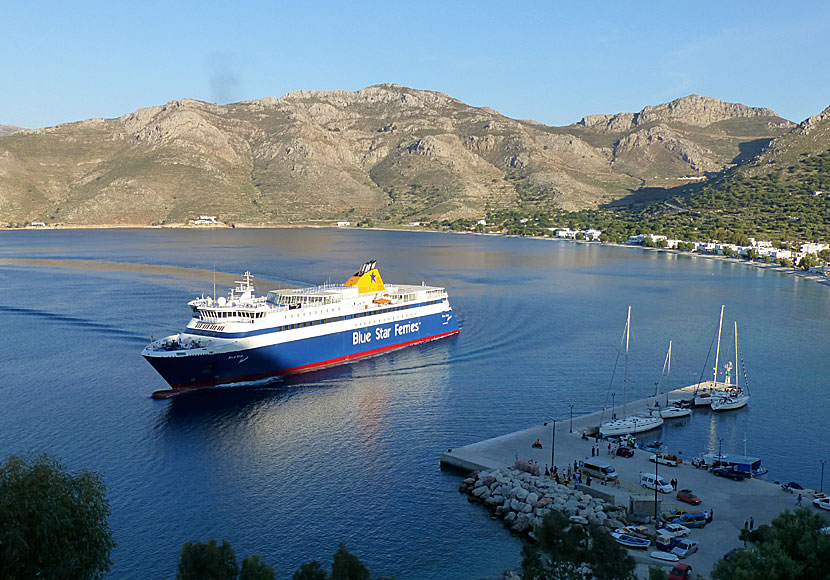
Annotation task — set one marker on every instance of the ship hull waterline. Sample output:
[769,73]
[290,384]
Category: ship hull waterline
[197,371]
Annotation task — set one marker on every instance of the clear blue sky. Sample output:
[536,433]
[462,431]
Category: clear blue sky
[549,61]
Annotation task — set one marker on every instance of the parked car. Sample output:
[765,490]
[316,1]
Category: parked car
[684,547]
[681,571]
[676,530]
[687,496]
[792,486]
[665,459]
[694,520]
[822,503]
[625,452]
[731,473]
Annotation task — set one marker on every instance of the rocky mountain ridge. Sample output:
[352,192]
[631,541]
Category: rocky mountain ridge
[387,153]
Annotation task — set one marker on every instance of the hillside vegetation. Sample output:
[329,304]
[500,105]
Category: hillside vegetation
[386,154]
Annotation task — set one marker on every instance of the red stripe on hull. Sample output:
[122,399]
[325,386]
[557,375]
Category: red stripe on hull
[294,370]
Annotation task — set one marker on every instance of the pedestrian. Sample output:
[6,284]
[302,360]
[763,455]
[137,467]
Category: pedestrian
[798,501]
[609,449]
[588,481]
[746,525]
[547,471]
[711,514]
[592,450]
[751,523]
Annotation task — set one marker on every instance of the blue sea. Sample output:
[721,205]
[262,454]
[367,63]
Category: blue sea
[290,469]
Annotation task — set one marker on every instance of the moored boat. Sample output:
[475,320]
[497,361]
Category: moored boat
[245,338]
[632,424]
[631,541]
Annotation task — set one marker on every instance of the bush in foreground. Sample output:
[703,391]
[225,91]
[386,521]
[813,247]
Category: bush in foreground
[53,524]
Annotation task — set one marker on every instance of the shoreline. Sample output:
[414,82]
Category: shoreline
[796,272]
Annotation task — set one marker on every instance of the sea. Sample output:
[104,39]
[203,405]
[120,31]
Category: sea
[289,469]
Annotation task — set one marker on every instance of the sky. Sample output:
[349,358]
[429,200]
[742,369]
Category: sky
[549,61]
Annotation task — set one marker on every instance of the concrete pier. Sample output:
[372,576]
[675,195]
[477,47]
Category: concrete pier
[732,502]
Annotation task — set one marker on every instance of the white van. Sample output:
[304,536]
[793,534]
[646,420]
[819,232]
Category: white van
[651,481]
[599,469]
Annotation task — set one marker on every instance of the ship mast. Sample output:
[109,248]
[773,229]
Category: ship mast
[625,375]
[717,350]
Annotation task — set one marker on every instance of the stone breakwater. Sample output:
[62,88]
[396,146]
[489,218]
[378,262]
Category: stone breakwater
[522,499]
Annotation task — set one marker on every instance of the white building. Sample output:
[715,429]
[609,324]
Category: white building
[811,248]
[343,224]
[206,220]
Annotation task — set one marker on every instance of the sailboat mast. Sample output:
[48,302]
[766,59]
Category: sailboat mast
[717,350]
[625,375]
[668,374]
[736,355]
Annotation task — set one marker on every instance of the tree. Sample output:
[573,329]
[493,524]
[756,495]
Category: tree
[254,568]
[347,566]
[310,571]
[792,547]
[207,561]
[657,573]
[575,552]
[52,524]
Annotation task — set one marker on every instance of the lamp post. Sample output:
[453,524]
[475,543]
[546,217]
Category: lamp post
[613,408]
[720,451]
[553,446]
[571,428]
[655,489]
[821,486]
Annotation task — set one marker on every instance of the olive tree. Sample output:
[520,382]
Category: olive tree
[53,524]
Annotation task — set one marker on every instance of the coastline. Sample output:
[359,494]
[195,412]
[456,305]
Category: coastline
[796,272]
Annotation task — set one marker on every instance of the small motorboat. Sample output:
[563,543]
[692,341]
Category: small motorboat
[631,541]
[665,556]
[675,412]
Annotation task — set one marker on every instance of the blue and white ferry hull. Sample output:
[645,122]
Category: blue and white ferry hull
[243,361]
[247,338]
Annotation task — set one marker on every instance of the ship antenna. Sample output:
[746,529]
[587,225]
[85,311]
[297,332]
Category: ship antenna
[214,281]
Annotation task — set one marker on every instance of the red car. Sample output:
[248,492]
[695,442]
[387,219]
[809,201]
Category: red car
[689,497]
[681,571]
[625,452]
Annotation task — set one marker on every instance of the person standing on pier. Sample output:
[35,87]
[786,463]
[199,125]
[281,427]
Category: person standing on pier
[751,523]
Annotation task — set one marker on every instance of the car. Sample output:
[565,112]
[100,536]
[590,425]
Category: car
[687,496]
[730,473]
[684,548]
[792,486]
[676,530]
[681,571]
[822,503]
[694,520]
[625,452]
[665,459]
[669,515]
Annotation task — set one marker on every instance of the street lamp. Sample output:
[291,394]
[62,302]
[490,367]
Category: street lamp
[655,489]
[553,446]
[720,451]
[821,487]
[571,429]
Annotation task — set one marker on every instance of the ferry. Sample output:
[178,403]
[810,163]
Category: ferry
[245,338]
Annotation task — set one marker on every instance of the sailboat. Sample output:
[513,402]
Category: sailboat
[707,390]
[674,411]
[735,397]
[634,423]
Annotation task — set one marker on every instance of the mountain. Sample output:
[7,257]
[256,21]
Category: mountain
[782,193]
[8,129]
[386,152]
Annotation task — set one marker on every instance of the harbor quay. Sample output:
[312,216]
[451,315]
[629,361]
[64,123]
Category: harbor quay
[733,503]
